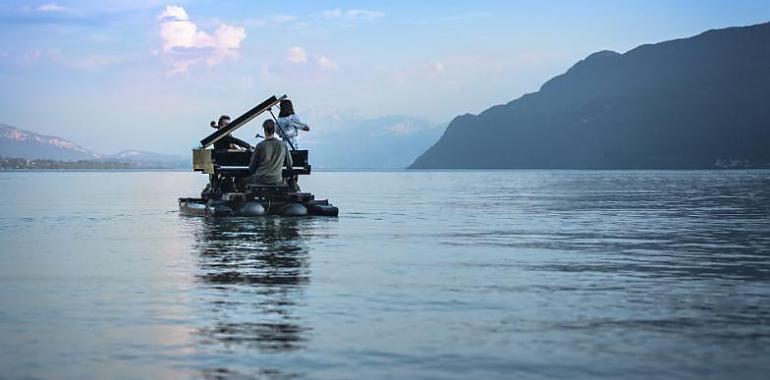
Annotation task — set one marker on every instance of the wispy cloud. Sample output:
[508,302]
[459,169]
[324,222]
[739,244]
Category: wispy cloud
[449,19]
[272,21]
[300,64]
[51,7]
[352,14]
[54,14]
[296,54]
[333,18]
[326,63]
[186,45]
[95,61]
[63,59]
[32,57]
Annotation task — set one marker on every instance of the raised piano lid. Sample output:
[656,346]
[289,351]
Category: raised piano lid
[241,120]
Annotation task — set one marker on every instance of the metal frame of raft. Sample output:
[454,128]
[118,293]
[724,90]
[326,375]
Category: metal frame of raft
[225,196]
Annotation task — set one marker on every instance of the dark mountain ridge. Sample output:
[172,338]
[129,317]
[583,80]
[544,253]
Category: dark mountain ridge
[682,104]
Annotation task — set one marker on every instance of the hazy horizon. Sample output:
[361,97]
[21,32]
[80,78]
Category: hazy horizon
[149,75]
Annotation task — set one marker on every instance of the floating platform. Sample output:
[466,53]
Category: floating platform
[259,201]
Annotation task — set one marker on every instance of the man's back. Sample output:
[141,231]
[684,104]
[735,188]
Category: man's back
[268,160]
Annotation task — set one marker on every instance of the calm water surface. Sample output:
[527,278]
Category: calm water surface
[458,275]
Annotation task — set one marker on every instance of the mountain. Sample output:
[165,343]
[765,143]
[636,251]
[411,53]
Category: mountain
[148,160]
[339,139]
[694,103]
[18,143]
[348,140]
[142,155]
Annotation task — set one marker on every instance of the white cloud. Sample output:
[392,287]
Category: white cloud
[51,7]
[352,14]
[229,37]
[326,63]
[186,45]
[402,128]
[175,13]
[437,67]
[297,55]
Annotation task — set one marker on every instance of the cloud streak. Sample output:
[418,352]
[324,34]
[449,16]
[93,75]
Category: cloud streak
[273,21]
[352,14]
[51,7]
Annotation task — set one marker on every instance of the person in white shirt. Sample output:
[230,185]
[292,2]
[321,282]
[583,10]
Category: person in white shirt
[290,123]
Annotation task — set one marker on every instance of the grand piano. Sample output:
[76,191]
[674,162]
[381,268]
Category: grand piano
[234,163]
[226,195]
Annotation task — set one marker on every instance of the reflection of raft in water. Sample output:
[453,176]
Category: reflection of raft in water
[225,195]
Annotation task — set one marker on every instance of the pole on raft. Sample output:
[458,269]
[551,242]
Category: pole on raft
[283,135]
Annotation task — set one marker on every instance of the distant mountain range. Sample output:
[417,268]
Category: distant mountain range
[694,103]
[344,139]
[19,143]
[339,139]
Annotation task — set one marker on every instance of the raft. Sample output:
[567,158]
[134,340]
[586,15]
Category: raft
[244,207]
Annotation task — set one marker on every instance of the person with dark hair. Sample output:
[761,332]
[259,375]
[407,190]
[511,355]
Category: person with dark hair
[227,142]
[290,123]
[268,159]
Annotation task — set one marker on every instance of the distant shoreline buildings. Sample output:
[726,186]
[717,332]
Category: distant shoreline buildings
[44,164]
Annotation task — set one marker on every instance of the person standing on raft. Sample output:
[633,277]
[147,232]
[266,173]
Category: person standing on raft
[290,123]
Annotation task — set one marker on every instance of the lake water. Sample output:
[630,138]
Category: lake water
[451,275]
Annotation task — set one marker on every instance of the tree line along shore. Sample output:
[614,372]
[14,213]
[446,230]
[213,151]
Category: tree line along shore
[9,163]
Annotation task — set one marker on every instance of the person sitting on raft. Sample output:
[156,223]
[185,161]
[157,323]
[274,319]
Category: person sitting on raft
[268,159]
[290,123]
[228,142]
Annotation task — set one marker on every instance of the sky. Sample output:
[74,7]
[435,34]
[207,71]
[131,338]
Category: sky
[146,74]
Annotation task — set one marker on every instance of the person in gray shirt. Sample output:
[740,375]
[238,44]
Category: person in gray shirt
[268,159]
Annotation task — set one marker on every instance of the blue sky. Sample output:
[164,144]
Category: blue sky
[148,74]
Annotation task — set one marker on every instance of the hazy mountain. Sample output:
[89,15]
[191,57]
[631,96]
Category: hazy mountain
[15,142]
[19,143]
[141,155]
[338,139]
[694,103]
[348,140]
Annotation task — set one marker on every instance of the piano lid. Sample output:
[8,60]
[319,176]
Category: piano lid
[241,120]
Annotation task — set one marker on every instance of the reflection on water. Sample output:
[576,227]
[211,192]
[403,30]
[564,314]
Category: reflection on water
[252,274]
[260,251]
